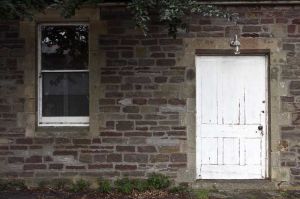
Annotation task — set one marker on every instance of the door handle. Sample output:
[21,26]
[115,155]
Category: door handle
[260,128]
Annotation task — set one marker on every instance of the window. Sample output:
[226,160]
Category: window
[63,76]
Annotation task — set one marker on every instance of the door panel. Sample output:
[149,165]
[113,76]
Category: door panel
[231,151]
[231,95]
[253,149]
[210,151]
[211,115]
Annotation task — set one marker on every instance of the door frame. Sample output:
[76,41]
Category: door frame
[243,52]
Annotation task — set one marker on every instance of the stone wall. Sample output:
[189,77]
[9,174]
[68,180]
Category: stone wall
[12,79]
[144,112]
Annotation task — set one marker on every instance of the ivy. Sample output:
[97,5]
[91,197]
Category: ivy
[16,9]
[141,12]
[69,7]
[171,12]
[12,9]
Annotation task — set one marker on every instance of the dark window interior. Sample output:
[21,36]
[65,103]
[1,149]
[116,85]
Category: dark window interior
[64,53]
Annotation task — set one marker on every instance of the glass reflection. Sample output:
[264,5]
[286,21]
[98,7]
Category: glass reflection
[64,47]
[65,94]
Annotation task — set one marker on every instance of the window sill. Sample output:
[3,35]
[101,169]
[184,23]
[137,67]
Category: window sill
[62,131]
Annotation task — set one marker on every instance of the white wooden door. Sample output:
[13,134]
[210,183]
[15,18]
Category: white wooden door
[231,117]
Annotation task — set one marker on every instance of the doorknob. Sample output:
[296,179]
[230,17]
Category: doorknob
[260,128]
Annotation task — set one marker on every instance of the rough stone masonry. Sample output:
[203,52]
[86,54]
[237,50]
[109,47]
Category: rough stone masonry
[143,107]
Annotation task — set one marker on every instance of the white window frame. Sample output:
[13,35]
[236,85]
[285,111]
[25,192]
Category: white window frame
[56,121]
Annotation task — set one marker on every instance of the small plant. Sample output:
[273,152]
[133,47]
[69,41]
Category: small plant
[141,185]
[201,194]
[104,186]
[3,185]
[43,184]
[284,194]
[124,185]
[158,181]
[60,184]
[16,185]
[12,185]
[180,189]
[79,186]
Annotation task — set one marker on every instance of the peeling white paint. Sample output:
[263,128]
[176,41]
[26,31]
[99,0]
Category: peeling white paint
[231,92]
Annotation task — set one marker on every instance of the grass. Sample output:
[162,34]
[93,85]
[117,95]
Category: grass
[158,181]
[124,185]
[141,185]
[12,185]
[60,184]
[104,186]
[181,188]
[201,194]
[80,186]
[284,194]
[154,181]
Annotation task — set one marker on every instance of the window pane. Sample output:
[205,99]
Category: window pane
[64,47]
[65,94]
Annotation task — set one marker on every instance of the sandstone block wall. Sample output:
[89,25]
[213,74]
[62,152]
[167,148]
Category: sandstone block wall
[145,103]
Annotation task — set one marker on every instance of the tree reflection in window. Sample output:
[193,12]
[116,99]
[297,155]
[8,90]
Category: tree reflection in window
[64,70]
[64,47]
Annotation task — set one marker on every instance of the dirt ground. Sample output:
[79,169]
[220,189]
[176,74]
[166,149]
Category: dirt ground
[155,194]
[48,194]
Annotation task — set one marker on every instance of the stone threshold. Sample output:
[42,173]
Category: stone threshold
[235,184]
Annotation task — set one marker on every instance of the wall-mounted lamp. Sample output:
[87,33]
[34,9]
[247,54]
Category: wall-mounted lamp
[236,44]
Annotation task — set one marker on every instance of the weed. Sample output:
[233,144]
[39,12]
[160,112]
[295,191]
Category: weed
[213,189]
[3,185]
[201,194]
[79,186]
[284,194]
[60,184]
[140,185]
[124,185]
[12,185]
[104,186]
[180,189]
[252,197]
[158,181]
[43,184]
